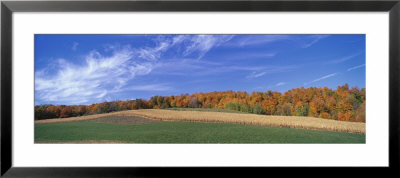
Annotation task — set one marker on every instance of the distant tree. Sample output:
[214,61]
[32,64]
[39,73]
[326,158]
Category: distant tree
[245,107]
[341,104]
[257,109]
[193,103]
[65,112]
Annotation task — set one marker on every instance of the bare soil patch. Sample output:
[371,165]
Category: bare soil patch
[125,120]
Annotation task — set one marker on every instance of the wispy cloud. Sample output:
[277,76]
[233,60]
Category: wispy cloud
[100,74]
[261,71]
[248,56]
[269,86]
[304,41]
[148,87]
[195,46]
[256,75]
[343,59]
[73,84]
[314,39]
[321,78]
[280,84]
[257,39]
[201,44]
[184,66]
[153,54]
[190,67]
[355,67]
[74,46]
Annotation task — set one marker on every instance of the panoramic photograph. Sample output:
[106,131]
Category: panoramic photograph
[200,89]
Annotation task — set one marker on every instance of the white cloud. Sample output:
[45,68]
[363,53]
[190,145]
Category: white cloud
[280,84]
[248,56]
[178,39]
[153,54]
[75,46]
[151,87]
[256,75]
[258,39]
[191,67]
[261,71]
[192,45]
[100,75]
[269,86]
[314,39]
[321,78]
[343,59]
[355,67]
[73,84]
[201,44]
[303,41]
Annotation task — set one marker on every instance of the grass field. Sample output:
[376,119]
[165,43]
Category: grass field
[235,118]
[195,126]
[103,130]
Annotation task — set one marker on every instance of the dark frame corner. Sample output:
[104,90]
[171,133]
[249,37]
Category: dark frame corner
[8,7]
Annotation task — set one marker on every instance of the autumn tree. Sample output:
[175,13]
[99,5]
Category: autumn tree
[343,104]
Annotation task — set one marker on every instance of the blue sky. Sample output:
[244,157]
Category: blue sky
[86,69]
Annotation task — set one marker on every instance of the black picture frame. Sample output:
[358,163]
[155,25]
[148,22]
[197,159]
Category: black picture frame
[8,7]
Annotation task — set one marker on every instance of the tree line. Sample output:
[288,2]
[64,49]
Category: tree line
[342,104]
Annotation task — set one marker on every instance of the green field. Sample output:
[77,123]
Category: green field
[183,132]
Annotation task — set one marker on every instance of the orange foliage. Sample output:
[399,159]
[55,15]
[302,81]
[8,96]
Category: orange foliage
[341,104]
